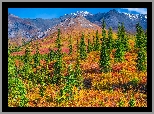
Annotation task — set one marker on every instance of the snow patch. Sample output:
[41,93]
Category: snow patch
[82,13]
[90,25]
[132,16]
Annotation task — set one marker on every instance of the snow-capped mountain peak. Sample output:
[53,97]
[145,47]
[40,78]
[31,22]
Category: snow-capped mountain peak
[132,16]
[30,28]
[135,16]
[81,13]
[9,14]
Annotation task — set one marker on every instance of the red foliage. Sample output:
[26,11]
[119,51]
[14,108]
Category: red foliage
[117,67]
[18,53]
[55,49]
[66,50]
[33,52]
[44,51]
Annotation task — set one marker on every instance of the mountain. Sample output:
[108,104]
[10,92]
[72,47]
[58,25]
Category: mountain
[18,27]
[113,17]
[41,28]
[75,23]
[74,26]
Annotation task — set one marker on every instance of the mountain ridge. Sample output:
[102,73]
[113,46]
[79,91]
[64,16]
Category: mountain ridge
[40,28]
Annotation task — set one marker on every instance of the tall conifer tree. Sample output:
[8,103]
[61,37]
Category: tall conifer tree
[70,45]
[104,55]
[119,54]
[58,64]
[82,47]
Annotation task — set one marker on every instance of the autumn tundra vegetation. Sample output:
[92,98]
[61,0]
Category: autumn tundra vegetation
[106,70]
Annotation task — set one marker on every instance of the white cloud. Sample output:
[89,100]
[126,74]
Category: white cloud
[139,10]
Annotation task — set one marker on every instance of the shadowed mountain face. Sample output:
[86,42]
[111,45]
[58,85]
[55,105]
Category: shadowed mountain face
[40,28]
[113,17]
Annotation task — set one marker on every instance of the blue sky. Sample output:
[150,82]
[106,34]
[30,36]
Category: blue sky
[48,13]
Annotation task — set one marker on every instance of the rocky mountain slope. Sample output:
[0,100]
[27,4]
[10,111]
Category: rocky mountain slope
[40,28]
[113,17]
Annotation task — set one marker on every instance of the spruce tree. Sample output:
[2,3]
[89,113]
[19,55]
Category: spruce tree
[141,47]
[104,55]
[119,54]
[141,40]
[89,48]
[118,36]
[96,45]
[110,40]
[69,83]
[27,58]
[141,59]
[11,66]
[93,44]
[78,71]
[124,39]
[70,45]
[83,53]
[27,68]
[138,36]
[104,58]
[58,43]
[145,40]
[50,55]
[36,57]
[58,64]
[77,46]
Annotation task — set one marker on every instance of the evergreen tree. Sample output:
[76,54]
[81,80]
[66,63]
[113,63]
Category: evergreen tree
[104,58]
[58,43]
[93,45]
[77,46]
[50,55]
[36,57]
[83,53]
[110,40]
[104,55]
[89,48]
[27,68]
[119,54]
[145,40]
[70,46]
[96,45]
[11,66]
[58,64]
[124,38]
[27,58]
[141,59]
[138,36]
[141,39]
[66,91]
[78,71]
[118,36]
